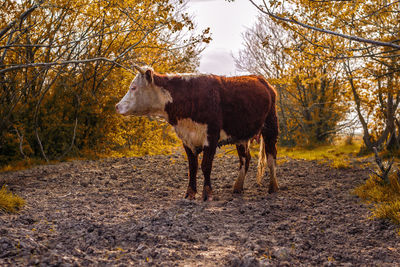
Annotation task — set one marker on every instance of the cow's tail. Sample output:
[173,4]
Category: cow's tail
[262,161]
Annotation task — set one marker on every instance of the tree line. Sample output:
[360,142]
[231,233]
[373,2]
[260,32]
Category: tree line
[333,63]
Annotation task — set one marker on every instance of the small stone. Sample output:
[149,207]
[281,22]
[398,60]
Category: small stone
[34,261]
[281,253]
[259,249]
[346,264]
[235,261]
[250,245]
[148,253]
[328,263]
[203,248]
[265,262]
[141,248]
[163,252]
[250,261]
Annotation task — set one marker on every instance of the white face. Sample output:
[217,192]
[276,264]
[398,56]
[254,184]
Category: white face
[143,98]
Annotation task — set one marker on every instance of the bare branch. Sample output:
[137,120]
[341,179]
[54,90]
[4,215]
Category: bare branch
[60,63]
[40,144]
[378,10]
[349,37]
[21,140]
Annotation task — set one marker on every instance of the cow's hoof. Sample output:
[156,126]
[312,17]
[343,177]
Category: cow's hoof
[273,189]
[237,190]
[207,193]
[190,194]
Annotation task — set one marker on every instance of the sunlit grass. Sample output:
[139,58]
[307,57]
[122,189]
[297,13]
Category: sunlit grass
[339,155]
[10,202]
[145,150]
[384,196]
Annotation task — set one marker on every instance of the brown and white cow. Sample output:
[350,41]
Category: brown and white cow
[208,111]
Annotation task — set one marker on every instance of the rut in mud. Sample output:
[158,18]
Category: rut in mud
[131,212]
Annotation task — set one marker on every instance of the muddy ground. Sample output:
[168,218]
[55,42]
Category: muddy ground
[131,212]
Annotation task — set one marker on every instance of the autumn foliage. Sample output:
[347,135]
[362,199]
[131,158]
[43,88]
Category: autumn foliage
[64,65]
[331,62]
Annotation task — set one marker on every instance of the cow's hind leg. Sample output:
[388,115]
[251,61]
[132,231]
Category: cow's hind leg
[193,167]
[270,136]
[273,182]
[244,159]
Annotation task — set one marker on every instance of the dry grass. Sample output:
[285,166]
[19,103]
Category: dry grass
[10,202]
[340,155]
[384,196]
[164,149]
[22,164]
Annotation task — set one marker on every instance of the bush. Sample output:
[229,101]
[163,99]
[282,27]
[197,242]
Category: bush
[10,202]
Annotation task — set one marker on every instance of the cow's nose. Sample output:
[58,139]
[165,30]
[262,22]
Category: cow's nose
[117,108]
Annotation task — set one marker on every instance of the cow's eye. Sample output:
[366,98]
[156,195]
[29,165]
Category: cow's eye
[133,88]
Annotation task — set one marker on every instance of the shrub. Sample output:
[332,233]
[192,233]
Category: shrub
[10,202]
[384,195]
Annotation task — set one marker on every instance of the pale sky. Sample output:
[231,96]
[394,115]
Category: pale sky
[227,21]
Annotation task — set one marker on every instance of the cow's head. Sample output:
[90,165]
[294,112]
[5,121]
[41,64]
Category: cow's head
[143,96]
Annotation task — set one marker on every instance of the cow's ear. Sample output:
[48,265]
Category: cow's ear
[149,76]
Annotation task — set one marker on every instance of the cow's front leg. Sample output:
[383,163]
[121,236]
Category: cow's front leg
[206,166]
[193,166]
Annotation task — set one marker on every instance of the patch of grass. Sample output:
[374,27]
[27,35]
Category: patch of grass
[389,211]
[339,155]
[21,165]
[163,149]
[10,202]
[384,196]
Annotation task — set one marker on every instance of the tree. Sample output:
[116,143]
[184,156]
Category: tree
[60,72]
[310,102]
[367,46]
[330,6]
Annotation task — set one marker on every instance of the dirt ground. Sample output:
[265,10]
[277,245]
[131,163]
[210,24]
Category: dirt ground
[131,212]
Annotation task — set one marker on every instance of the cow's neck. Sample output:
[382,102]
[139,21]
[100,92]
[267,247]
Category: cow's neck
[167,83]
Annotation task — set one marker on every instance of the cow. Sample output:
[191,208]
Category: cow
[208,111]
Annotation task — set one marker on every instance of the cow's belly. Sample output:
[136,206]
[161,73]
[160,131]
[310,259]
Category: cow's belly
[192,134]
